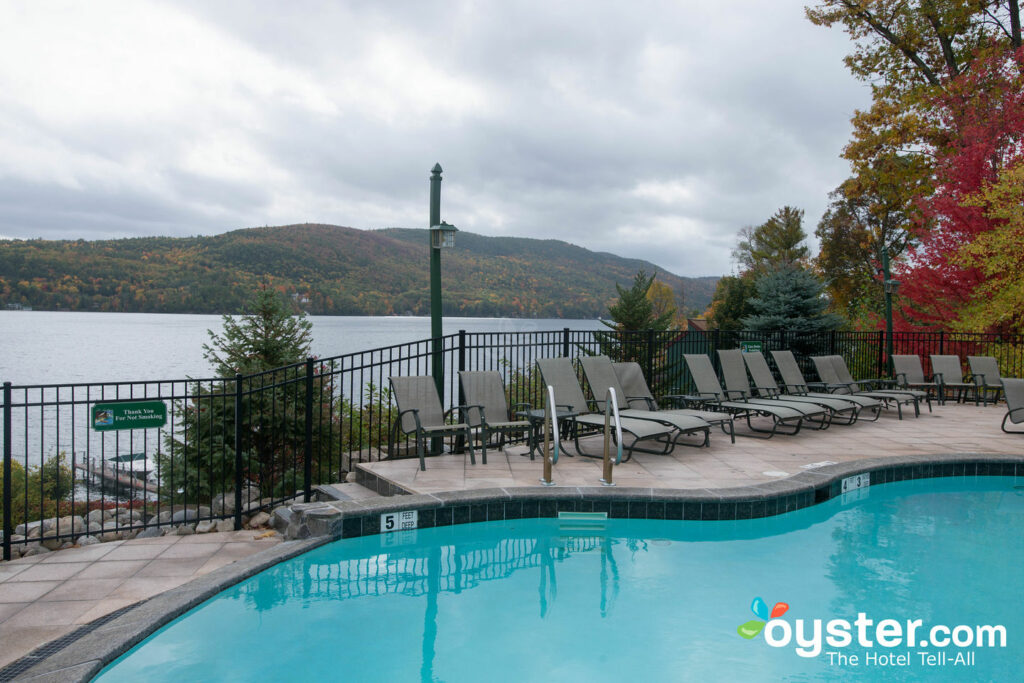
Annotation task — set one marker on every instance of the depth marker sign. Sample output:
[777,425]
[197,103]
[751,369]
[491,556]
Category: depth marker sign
[107,417]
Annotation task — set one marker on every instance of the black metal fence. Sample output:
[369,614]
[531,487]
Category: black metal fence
[233,446]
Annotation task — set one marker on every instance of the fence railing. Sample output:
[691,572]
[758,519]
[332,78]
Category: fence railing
[233,446]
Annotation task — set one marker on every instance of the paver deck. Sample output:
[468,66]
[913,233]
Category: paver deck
[948,429]
[46,596]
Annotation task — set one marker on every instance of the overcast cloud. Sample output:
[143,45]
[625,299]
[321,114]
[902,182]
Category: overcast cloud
[653,130]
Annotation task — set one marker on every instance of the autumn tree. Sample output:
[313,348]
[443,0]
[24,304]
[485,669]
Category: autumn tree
[731,302]
[910,53]
[947,275]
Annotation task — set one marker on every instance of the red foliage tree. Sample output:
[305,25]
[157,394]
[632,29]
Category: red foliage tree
[982,116]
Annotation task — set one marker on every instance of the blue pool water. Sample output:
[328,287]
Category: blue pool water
[643,600]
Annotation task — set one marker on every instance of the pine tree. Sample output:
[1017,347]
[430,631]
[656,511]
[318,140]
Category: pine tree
[634,311]
[789,298]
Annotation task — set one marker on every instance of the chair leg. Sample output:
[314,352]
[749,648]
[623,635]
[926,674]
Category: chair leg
[472,457]
[419,451]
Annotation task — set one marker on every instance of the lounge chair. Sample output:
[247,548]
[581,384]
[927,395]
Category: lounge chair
[910,375]
[737,388]
[986,378]
[487,408]
[710,393]
[839,363]
[638,395]
[600,375]
[766,387]
[794,384]
[834,381]
[949,374]
[420,414]
[560,375]
[1014,391]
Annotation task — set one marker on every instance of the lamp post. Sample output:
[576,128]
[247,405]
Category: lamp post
[442,236]
[890,287]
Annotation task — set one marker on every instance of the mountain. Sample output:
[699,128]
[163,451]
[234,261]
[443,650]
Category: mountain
[329,270]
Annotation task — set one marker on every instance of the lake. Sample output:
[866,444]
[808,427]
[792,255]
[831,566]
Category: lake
[46,347]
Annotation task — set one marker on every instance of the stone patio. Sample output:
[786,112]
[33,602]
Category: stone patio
[948,429]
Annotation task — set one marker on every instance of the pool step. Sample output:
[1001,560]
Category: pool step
[582,521]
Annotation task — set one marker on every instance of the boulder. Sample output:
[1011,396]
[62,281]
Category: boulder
[75,524]
[111,532]
[34,549]
[95,527]
[281,518]
[151,532]
[52,543]
[96,516]
[185,530]
[225,525]
[165,516]
[258,520]
[206,526]
[184,516]
[88,540]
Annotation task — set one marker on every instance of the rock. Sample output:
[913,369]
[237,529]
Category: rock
[53,544]
[96,516]
[110,532]
[165,516]
[35,532]
[130,534]
[323,522]
[281,518]
[185,530]
[73,524]
[34,549]
[88,540]
[15,538]
[296,531]
[66,545]
[258,520]
[95,527]
[183,516]
[110,514]
[206,526]
[151,532]
[225,525]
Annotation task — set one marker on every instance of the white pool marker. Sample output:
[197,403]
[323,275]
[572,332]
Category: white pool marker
[775,473]
[815,465]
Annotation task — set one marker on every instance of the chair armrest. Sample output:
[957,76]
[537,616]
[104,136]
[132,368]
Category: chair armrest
[516,407]
[415,416]
[730,392]
[938,378]
[770,392]
[465,412]
[796,388]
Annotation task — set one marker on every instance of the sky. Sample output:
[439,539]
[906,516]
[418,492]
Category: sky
[652,130]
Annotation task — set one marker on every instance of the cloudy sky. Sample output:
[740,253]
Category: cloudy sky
[653,130]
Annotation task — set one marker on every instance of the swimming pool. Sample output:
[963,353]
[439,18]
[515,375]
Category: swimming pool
[645,599]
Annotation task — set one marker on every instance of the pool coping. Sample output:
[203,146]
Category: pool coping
[83,658]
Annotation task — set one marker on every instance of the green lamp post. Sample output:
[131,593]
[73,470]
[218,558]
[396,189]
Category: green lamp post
[442,236]
[890,287]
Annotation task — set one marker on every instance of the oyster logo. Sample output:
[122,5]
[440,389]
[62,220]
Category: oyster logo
[760,609]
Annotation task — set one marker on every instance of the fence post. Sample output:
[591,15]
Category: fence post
[307,469]
[8,522]
[942,342]
[881,354]
[565,342]
[650,353]
[238,452]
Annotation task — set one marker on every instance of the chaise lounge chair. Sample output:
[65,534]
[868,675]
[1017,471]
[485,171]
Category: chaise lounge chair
[420,414]
[560,375]
[710,393]
[1014,391]
[600,375]
[948,372]
[836,377]
[766,387]
[910,375]
[794,384]
[638,394]
[487,408]
[986,378]
[737,388]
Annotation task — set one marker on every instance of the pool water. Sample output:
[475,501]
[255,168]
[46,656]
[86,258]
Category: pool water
[644,600]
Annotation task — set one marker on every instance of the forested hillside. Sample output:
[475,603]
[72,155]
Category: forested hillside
[328,269]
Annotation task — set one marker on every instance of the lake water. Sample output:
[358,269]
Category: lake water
[44,347]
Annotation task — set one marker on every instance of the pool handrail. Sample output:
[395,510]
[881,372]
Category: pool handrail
[611,408]
[549,455]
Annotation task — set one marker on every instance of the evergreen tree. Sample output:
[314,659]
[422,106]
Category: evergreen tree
[260,345]
[267,336]
[634,311]
[731,302]
[789,298]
